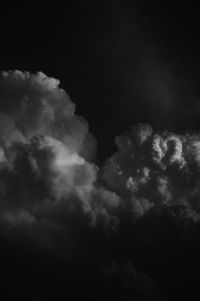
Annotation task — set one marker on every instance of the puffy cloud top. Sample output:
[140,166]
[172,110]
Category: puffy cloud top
[44,147]
[162,168]
[33,104]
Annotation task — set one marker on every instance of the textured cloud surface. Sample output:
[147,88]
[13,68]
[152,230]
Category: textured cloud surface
[44,148]
[156,170]
[143,200]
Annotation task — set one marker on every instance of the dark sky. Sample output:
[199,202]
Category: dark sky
[130,225]
[122,62]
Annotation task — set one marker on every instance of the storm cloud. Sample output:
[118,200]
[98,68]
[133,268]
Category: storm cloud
[54,199]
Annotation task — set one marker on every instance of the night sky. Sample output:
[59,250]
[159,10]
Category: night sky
[99,150]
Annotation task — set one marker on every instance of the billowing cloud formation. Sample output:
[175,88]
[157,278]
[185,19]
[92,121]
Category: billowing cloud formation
[33,105]
[54,199]
[155,170]
[44,149]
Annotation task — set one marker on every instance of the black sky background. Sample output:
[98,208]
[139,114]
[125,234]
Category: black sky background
[122,62]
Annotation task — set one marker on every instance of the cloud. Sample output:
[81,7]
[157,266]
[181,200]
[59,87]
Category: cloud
[46,155]
[156,169]
[36,105]
[141,206]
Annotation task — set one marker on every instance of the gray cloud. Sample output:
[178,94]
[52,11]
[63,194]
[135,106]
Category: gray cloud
[43,169]
[44,153]
[155,169]
[53,197]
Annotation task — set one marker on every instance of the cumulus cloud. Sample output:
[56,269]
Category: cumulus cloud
[35,105]
[45,161]
[46,154]
[53,197]
[156,169]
